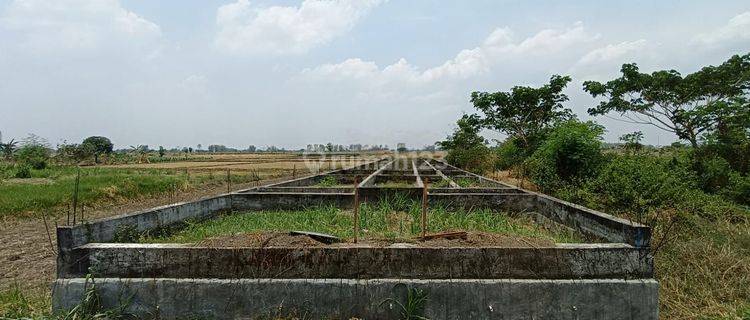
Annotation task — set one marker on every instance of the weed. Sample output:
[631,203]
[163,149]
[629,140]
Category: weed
[91,308]
[16,304]
[328,181]
[126,234]
[414,303]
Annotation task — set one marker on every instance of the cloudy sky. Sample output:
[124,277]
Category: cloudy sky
[289,73]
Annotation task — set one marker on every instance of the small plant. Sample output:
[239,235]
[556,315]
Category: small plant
[126,234]
[414,304]
[91,306]
[464,182]
[328,181]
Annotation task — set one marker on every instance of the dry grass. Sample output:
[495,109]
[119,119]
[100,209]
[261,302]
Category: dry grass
[706,274]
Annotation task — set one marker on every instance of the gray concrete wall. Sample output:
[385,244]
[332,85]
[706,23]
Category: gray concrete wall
[564,261]
[289,201]
[582,219]
[103,230]
[344,299]
[592,222]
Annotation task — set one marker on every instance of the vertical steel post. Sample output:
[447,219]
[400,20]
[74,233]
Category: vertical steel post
[356,209]
[424,207]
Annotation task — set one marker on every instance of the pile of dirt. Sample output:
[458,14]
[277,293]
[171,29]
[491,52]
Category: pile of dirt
[286,240]
[260,240]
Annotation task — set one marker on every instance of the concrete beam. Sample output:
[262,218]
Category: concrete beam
[562,261]
[508,299]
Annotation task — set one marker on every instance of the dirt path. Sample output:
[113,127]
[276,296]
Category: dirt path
[26,254]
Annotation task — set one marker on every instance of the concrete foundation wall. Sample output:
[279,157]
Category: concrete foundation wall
[593,222]
[565,261]
[368,299]
[104,230]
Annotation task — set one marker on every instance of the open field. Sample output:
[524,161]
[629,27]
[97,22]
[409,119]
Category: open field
[27,257]
[50,190]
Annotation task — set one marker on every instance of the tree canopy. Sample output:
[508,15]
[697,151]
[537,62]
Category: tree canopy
[97,145]
[524,112]
[466,148]
[687,106]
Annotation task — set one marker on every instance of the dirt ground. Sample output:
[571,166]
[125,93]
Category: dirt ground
[284,239]
[27,256]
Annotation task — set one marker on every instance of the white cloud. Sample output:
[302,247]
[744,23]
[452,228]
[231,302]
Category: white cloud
[244,28]
[498,46]
[544,42]
[612,52]
[737,29]
[73,24]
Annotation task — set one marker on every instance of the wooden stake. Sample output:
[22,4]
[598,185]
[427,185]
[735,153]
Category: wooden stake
[424,207]
[356,209]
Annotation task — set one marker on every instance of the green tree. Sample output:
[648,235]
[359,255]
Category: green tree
[686,106]
[33,155]
[525,113]
[466,148]
[632,140]
[8,149]
[98,146]
[570,154]
[162,151]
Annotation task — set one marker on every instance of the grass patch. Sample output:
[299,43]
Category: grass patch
[442,183]
[396,218]
[21,199]
[395,184]
[329,181]
[16,303]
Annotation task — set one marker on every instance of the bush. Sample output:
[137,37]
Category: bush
[738,189]
[477,158]
[33,155]
[510,154]
[23,172]
[637,182]
[571,152]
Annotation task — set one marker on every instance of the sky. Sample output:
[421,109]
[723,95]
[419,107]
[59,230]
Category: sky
[289,73]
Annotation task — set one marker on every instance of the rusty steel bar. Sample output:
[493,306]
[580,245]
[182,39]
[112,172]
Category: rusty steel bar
[424,207]
[356,209]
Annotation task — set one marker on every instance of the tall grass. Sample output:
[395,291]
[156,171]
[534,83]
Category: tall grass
[393,218]
[16,303]
[54,186]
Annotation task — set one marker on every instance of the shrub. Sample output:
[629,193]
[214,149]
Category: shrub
[738,189]
[23,172]
[33,155]
[510,154]
[477,158]
[635,183]
[571,152]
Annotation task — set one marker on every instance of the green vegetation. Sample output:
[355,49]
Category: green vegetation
[393,218]
[467,147]
[17,303]
[328,181]
[415,300]
[55,185]
[396,184]
[695,197]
